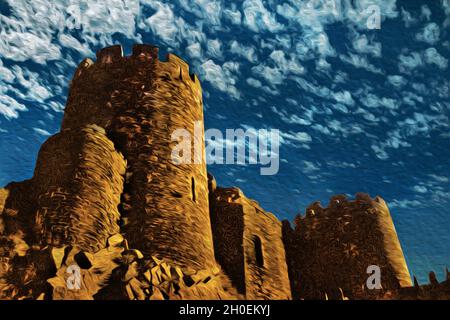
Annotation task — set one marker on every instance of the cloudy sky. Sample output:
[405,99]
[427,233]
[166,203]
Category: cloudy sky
[359,108]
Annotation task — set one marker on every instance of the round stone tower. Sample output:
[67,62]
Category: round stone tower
[141,101]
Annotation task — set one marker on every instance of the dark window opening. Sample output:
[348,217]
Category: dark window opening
[193,189]
[258,251]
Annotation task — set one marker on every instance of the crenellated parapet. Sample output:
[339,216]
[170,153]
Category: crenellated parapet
[333,247]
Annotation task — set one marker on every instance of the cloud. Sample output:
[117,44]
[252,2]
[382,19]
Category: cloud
[404,204]
[429,34]
[407,18]
[254,83]
[278,68]
[344,97]
[293,137]
[5,74]
[9,107]
[365,46]
[164,23]
[209,11]
[29,33]
[425,12]
[257,18]
[410,62]
[214,49]
[432,56]
[290,118]
[420,189]
[194,51]
[23,46]
[359,62]
[233,15]
[247,52]
[371,100]
[42,132]
[397,81]
[32,89]
[222,77]
[68,41]
[310,167]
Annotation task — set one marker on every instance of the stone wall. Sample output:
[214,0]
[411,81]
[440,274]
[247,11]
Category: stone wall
[331,249]
[248,245]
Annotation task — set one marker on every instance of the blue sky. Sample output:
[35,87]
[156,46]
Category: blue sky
[359,109]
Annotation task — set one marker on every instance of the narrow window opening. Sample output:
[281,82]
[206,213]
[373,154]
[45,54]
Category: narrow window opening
[194,198]
[258,251]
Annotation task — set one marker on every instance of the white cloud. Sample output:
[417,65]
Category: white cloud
[359,62]
[371,100]
[247,52]
[254,83]
[410,62]
[9,107]
[432,56]
[404,204]
[32,90]
[222,78]
[68,41]
[363,45]
[425,12]
[429,34]
[214,49]
[5,74]
[30,32]
[302,137]
[233,15]
[407,18]
[42,132]
[344,97]
[194,51]
[290,117]
[23,46]
[272,75]
[310,167]
[209,11]
[420,189]
[257,18]
[164,23]
[397,81]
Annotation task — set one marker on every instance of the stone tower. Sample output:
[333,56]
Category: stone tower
[332,248]
[77,185]
[140,101]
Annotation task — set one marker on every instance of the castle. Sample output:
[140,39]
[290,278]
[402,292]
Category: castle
[106,197]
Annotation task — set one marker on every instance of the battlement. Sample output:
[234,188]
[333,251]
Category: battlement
[142,54]
[340,201]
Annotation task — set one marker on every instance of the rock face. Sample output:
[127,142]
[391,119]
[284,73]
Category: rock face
[109,214]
